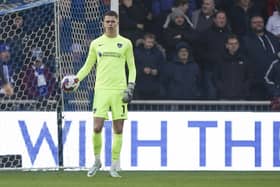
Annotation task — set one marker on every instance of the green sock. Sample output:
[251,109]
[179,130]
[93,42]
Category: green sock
[117,146]
[97,143]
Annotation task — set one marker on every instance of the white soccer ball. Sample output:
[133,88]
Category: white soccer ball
[70,83]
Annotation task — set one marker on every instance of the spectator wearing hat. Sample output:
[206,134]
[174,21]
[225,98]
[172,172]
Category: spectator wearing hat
[181,7]
[38,80]
[6,79]
[181,77]
[162,20]
[177,28]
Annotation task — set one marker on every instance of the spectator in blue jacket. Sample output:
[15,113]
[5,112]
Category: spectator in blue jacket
[181,77]
[149,59]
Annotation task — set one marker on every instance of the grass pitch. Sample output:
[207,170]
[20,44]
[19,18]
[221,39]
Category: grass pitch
[139,179]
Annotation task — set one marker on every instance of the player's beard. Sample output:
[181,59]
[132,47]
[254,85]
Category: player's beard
[259,31]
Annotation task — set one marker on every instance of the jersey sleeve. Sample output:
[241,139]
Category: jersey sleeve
[130,63]
[90,61]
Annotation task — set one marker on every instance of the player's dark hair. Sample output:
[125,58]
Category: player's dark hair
[111,13]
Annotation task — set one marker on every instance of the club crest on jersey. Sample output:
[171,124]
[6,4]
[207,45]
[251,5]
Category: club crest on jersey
[119,45]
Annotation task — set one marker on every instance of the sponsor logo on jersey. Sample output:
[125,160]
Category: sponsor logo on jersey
[111,54]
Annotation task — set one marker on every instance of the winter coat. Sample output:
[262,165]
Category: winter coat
[240,19]
[181,81]
[188,34]
[200,21]
[258,55]
[210,47]
[272,78]
[233,77]
[148,86]
[129,18]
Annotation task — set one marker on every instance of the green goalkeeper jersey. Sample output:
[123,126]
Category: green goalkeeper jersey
[110,56]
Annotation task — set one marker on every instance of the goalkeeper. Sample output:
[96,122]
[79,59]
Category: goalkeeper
[111,52]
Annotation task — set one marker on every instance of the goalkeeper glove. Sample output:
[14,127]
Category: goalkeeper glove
[70,83]
[128,93]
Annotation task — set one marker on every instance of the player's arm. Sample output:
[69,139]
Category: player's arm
[90,61]
[70,83]
[128,93]
[130,64]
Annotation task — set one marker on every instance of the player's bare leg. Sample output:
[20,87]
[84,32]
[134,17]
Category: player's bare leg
[117,145]
[97,143]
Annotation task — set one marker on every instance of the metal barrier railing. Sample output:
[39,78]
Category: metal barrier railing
[153,105]
[199,105]
[28,105]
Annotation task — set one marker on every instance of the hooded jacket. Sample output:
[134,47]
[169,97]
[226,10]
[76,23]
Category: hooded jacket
[181,81]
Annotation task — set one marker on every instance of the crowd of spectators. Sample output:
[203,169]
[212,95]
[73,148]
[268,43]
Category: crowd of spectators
[204,49]
[27,54]
[184,49]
